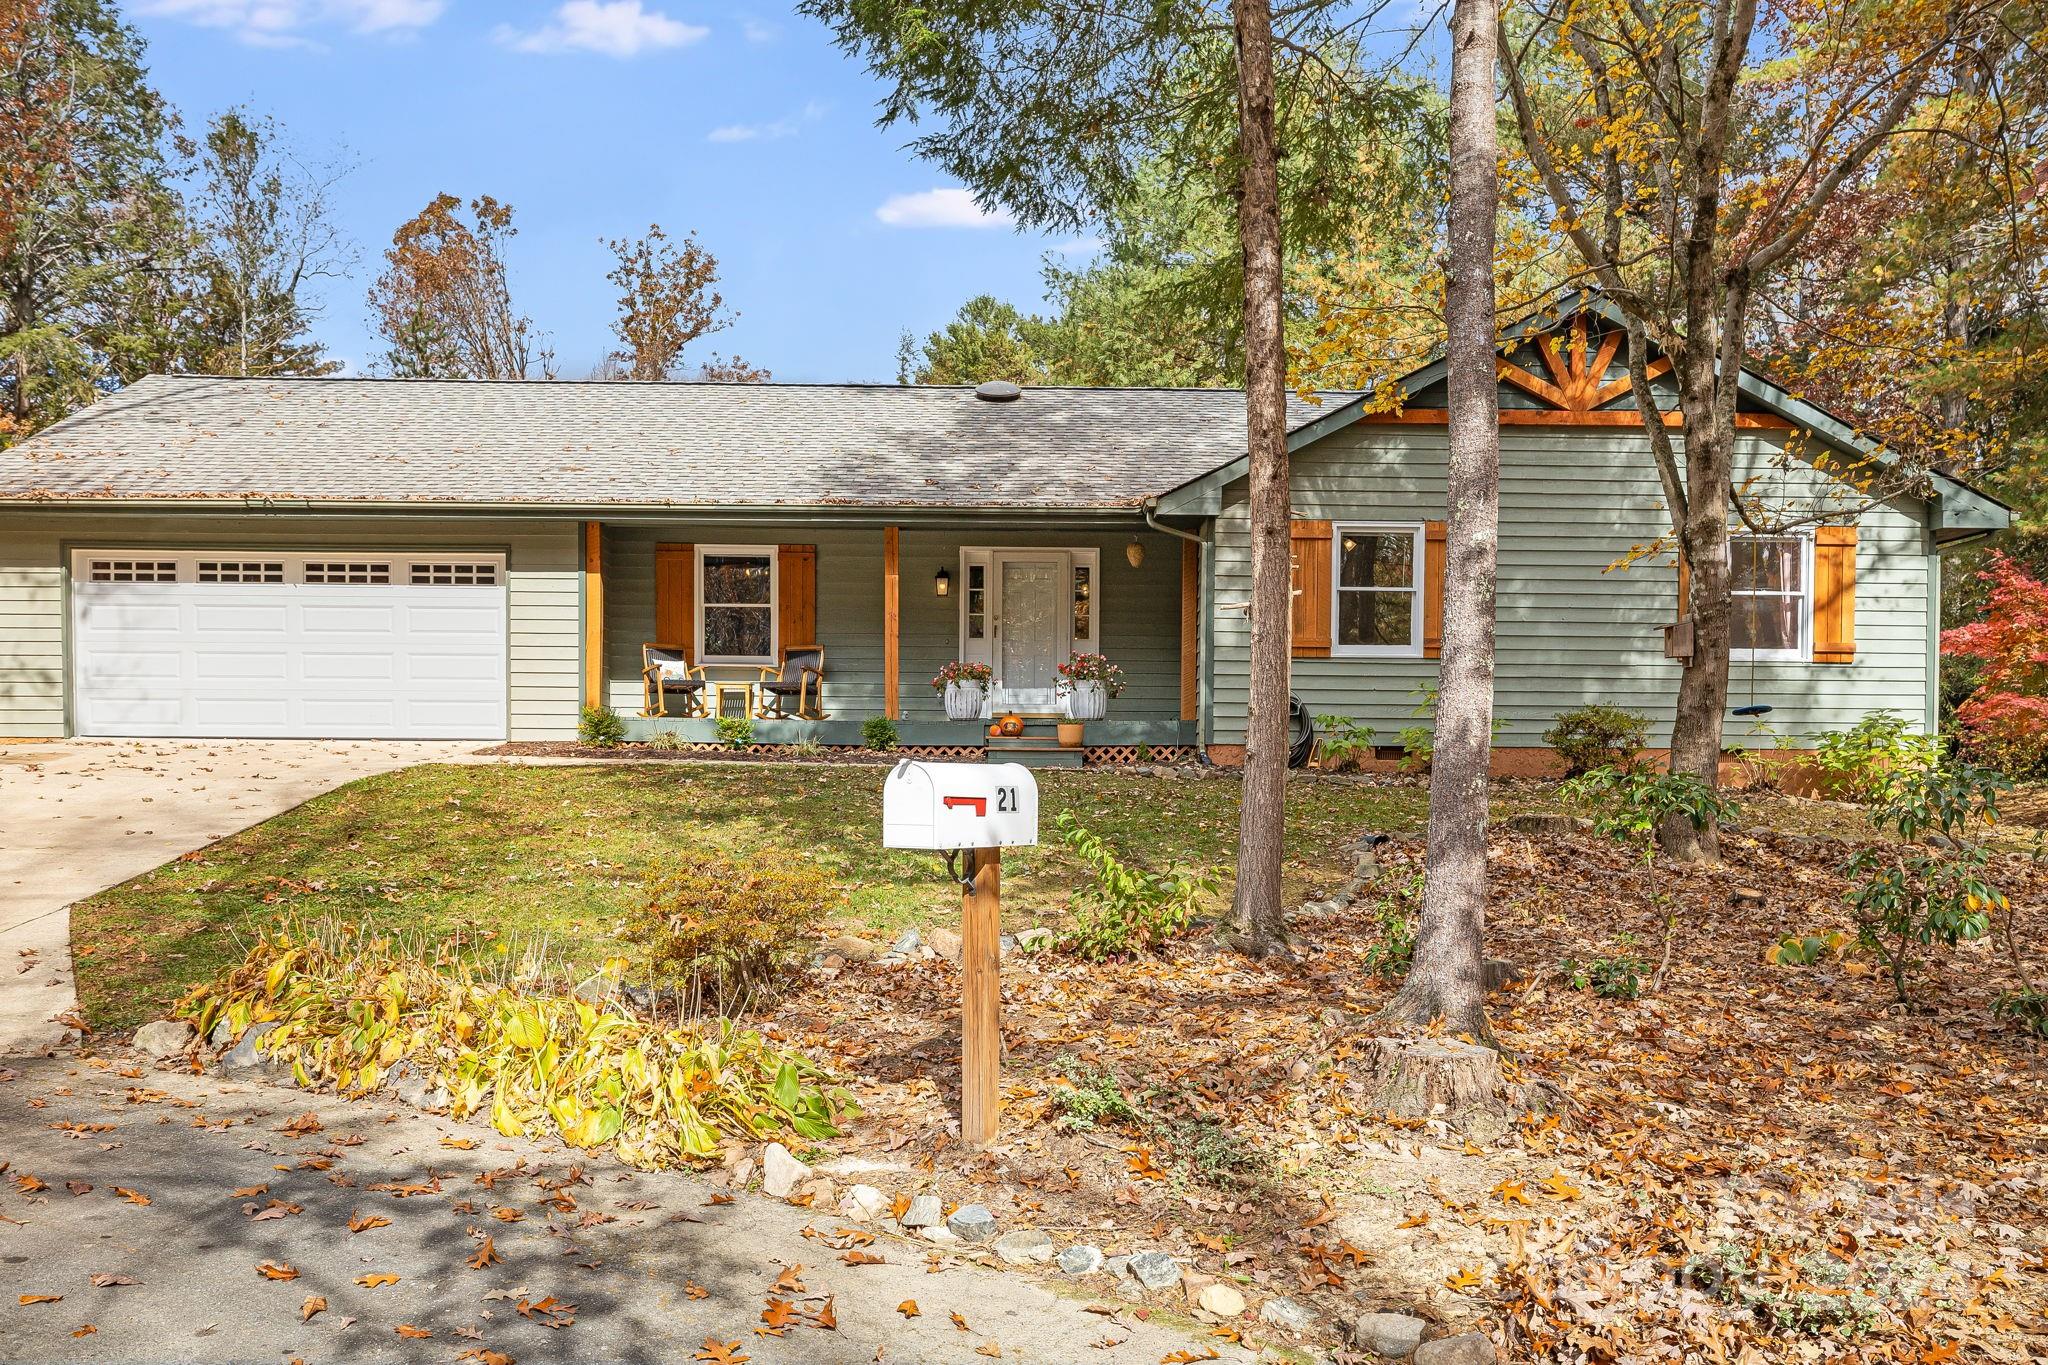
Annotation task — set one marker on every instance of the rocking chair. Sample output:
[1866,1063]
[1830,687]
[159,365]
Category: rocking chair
[794,690]
[666,671]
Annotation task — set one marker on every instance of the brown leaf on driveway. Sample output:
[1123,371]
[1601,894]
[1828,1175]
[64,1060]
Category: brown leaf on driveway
[376,1281]
[251,1191]
[367,1221]
[305,1123]
[313,1304]
[486,1255]
[406,1329]
[27,1299]
[84,1329]
[277,1272]
[132,1196]
[105,1281]
[78,1187]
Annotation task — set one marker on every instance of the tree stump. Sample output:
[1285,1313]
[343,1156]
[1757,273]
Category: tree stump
[1444,1078]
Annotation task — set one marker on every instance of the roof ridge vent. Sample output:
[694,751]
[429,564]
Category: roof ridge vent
[997,391]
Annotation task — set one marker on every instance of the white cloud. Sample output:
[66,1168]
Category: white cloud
[614,28]
[285,23]
[759,31]
[787,126]
[950,207]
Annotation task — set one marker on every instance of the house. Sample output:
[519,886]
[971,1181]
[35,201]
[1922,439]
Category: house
[365,557]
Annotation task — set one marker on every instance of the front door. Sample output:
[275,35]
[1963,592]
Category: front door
[1031,626]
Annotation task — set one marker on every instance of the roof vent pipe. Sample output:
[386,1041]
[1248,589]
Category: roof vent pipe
[997,391]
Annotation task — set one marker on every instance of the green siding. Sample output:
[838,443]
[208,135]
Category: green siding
[544,596]
[1571,629]
[1139,627]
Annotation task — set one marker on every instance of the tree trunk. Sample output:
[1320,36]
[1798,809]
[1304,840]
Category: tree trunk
[1260,926]
[1448,979]
[1703,686]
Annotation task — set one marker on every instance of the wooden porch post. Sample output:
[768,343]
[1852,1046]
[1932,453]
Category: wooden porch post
[593,614]
[892,661]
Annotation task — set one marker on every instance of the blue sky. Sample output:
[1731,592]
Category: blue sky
[595,118]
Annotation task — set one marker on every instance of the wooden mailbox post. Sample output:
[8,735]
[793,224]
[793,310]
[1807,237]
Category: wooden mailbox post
[973,811]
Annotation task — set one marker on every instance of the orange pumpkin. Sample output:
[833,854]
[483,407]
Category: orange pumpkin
[1013,726]
[995,731]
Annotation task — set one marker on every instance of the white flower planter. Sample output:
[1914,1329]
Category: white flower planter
[1088,701]
[963,701]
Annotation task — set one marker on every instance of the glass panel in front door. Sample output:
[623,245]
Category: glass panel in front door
[1029,631]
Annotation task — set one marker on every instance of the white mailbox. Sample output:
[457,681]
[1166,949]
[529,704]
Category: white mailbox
[959,805]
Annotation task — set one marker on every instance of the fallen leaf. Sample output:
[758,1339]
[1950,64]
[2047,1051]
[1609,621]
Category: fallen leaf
[376,1281]
[827,1316]
[104,1281]
[460,1144]
[719,1199]
[507,1215]
[84,1330]
[251,1191]
[988,1348]
[960,1322]
[486,1255]
[484,1357]
[695,1290]
[27,1299]
[863,1258]
[787,1282]
[271,1271]
[133,1196]
[908,1308]
[720,1352]
[412,1333]
[776,1317]
[313,1304]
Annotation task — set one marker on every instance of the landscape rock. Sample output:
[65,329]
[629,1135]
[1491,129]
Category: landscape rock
[596,987]
[781,1173]
[243,1053]
[223,1033]
[1118,1266]
[864,1202]
[1026,1246]
[841,1167]
[820,1191]
[904,948]
[1220,1299]
[164,1038]
[1080,1260]
[972,1223]
[1154,1270]
[1287,1315]
[945,943]
[853,949]
[1035,939]
[941,1234]
[1388,1334]
[742,1173]
[924,1212]
[1467,1348]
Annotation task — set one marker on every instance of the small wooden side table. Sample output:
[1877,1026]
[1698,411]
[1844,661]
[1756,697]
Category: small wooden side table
[742,691]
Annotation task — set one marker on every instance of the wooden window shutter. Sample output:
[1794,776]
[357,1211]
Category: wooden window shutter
[675,597]
[1435,558]
[796,603]
[1834,594]
[1311,583]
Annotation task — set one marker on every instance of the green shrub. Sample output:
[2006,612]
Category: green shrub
[1863,762]
[725,928]
[1803,950]
[601,726]
[1342,743]
[1390,955]
[1598,736]
[1126,909]
[1612,978]
[879,733]
[1092,1097]
[2026,1009]
[666,740]
[350,1010]
[1909,897]
[735,732]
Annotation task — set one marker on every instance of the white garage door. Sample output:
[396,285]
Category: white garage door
[255,644]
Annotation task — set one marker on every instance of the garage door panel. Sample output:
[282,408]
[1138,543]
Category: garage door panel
[286,659]
[359,619]
[324,666]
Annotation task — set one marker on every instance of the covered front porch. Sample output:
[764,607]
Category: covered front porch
[888,604]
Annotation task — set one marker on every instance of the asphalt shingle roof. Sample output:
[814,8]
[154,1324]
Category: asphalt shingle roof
[592,444]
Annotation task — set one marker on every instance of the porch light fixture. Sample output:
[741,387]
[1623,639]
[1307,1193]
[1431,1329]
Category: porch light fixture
[1134,552]
[942,583]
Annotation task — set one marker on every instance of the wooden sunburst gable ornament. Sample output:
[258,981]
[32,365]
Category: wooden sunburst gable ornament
[1577,380]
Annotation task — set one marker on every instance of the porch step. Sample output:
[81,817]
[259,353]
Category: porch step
[1033,751]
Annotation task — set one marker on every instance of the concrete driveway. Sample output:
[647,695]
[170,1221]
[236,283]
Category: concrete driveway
[78,816]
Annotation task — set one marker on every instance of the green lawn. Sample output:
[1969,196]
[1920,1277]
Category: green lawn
[520,851]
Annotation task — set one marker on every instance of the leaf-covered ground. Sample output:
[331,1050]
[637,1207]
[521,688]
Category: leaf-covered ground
[1755,1163]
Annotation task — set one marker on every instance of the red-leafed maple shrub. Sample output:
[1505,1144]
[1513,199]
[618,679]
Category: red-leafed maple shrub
[2004,723]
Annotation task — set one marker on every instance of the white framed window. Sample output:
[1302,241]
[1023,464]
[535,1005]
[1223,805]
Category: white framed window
[1770,597]
[736,604]
[1376,590]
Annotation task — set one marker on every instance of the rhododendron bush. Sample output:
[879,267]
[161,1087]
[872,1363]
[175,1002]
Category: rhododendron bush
[2004,723]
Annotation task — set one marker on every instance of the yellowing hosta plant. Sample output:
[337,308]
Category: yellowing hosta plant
[348,1011]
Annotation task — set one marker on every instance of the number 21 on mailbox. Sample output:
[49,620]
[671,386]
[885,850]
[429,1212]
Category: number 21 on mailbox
[977,809]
